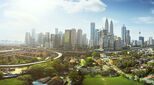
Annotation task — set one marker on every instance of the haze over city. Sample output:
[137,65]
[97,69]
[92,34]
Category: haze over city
[20,16]
[76,42]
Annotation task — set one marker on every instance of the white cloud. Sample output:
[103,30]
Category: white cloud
[3,5]
[83,5]
[152,1]
[147,20]
[32,11]
[152,11]
[27,14]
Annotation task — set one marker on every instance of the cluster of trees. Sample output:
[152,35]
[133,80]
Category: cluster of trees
[26,78]
[51,68]
[95,54]
[109,72]
[76,77]
[89,61]
[126,63]
[1,75]
[17,60]
[143,73]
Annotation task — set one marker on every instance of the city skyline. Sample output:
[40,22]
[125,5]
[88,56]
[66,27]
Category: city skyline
[18,17]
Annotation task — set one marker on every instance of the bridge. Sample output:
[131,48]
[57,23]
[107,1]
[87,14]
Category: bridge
[29,64]
[4,51]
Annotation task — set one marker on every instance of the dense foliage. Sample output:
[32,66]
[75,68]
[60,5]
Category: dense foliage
[1,75]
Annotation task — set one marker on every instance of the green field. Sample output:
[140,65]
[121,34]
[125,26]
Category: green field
[12,82]
[99,80]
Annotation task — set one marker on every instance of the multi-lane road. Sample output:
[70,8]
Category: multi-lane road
[4,51]
[27,64]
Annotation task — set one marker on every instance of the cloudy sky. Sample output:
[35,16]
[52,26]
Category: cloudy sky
[20,16]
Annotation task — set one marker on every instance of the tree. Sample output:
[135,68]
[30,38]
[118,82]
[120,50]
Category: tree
[1,75]
[76,77]
[127,70]
[36,71]
[49,71]
[58,66]
[89,61]
[133,77]
[95,54]
[27,78]
[41,70]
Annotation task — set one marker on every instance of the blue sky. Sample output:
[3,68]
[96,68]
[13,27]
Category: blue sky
[19,16]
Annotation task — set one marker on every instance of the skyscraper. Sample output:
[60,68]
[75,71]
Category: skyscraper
[128,37]
[40,39]
[84,40]
[47,40]
[107,25]
[123,34]
[52,40]
[33,37]
[92,33]
[117,44]
[33,33]
[67,41]
[150,41]
[56,30]
[141,41]
[96,40]
[27,38]
[111,27]
[73,37]
[79,37]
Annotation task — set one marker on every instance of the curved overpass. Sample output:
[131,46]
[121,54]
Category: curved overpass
[4,51]
[29,64]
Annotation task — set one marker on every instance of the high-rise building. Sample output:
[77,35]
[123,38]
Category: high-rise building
[27,38]
[67,41]
[123,34]
[73,38]
[111,27]
[117,44]
[96,40]
[61,38]
[141,41]
[33,33]
[105,39]
[33,37]
[52,40]
[100,33]
[107,25]
[47,40]
[134,42]
[128,37]
[57,41]
[92,33]
[150,41]
[84,40]
[79,37]
[40,39]
[56,30]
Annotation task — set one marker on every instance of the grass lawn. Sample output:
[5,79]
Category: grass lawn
[99,80]
[12,81]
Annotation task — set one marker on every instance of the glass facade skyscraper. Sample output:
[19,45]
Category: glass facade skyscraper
[92,33]
[123,34]
[107,25]
[111,28]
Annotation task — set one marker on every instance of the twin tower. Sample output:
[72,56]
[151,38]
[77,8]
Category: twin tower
[107,26]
